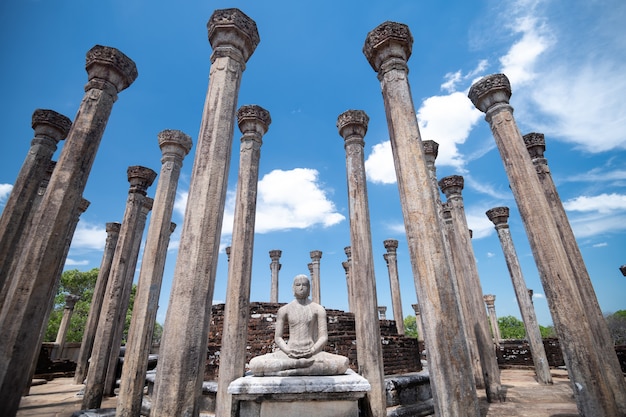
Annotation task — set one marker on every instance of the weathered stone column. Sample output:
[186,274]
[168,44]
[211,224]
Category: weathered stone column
[382,312]
[253,122]
[109,384]
[174,145]
[82,363]
[115,303]
[418,321]
[68,310]
[316,293]
[461,288]
[490,301]
[585,360]
[109,72]
[346,267]
[387,48]
[469,285]
[50,127]
[352,126]
[274,268]
[233,36]
[431,150]
[394,282]
[499,217]
[536,146]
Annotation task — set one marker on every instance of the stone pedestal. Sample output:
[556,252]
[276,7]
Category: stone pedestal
[328,396]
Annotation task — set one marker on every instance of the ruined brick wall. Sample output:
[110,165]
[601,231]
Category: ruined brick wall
[400,354]
[517,353]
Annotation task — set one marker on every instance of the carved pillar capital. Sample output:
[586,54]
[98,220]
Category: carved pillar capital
[253,122]
[108,66]
[416,309]
[174,144]
[352,126]
[452,185]
[499,216]
[431,150]
[346,266]
[227,250]
[391,245]
[490,300]
[275,254]
[70,301]
[348,251]
[489,91]
[388,45]
[536,145]
[623,269]
[316,255]
[232,33]
[140,179]
[50,124]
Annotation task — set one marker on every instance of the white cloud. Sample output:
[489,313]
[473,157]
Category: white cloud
[490,254]
[5,191]
[73,262]
[448,121]
[479,224]
[538,295]
[379,167]
[89,236]
[519,62]
[294,199]
[596,224]
[603,203]
[600,245]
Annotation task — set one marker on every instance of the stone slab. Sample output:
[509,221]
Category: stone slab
[329,396]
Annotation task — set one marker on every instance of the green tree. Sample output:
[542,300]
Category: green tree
[511,328]
[410,327]
[82,283]
[616,322]
[547,331]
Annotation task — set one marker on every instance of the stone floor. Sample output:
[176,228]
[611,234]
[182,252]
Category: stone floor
[524,398]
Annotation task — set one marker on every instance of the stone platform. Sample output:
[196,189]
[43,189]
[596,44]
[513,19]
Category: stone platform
[328,396]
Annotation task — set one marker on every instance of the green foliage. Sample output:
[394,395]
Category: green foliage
[547,332]
[616,323]
[410,327]
[511,328]
[83,284]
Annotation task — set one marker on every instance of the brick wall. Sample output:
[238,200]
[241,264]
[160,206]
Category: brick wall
[400,354]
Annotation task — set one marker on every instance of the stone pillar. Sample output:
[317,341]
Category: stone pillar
[387,48]
[109,72]
[274,267]
[253,122]
[316,293]
[585,360]
[418,321]
[115,302]
[536,146]
[233,36]
[352,126]
[382,312]
[50,127]
[394,282]
[109,385]
[431,150]
[346,267]
[490,301]
[82,207]
[82,363]
[469,285]
[499,217]
[68,310]
[461,287]
[174,145]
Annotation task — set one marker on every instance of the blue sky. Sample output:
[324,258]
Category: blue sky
[565,61]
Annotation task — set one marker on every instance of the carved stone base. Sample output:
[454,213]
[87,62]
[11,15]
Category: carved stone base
[328,396]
